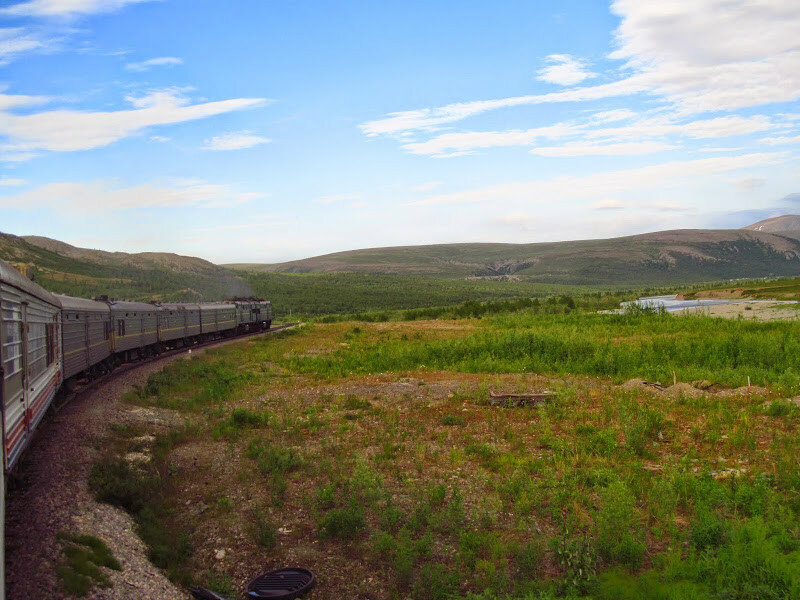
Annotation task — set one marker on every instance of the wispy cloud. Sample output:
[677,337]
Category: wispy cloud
[600,184]
[104,196]
[563,69]
[426,187]
[598,149]
[15,41]
[10,182]
[609,204]
[780,140]
[337,198]
[70,130]
[609,116]
[691,58]
[234,141]
[65,8]
[748,184]
[161,61]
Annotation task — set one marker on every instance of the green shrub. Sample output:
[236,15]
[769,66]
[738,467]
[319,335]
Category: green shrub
[617,527]
[343,523]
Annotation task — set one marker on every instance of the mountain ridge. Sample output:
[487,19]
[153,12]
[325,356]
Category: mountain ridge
[675,255]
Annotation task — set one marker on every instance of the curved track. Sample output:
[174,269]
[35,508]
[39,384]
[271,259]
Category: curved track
[49,493]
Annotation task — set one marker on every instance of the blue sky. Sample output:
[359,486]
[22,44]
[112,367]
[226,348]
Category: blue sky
[260,131]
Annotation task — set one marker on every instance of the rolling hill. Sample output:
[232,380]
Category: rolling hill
[147,276]
[786,225]
[660,258]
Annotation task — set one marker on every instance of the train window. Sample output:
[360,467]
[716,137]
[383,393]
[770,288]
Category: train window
[106,330]
[121,327]
[50,335]
[12,344]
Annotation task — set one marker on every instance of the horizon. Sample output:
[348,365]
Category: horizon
[283,132]
[565,241]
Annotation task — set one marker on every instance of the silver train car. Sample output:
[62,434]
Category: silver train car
[48,342]
[85,335]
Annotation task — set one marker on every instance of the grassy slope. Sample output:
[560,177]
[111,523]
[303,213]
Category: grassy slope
[664,257]
[149,276]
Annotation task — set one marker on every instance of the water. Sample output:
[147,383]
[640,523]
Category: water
[672,304]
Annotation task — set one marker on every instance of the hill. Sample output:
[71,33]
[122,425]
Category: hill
[667,257]
[786,225]
[147,276]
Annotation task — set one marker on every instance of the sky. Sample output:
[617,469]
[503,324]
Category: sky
[271,130]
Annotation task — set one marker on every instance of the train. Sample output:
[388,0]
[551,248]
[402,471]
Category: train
[51,343]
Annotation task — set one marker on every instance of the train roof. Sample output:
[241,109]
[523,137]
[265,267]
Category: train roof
[123,305]
[178,305]
[14,278]
[70,303]
[215,306]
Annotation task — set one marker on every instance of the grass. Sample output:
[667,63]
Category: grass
[82,557]
[371,449]
[619,347]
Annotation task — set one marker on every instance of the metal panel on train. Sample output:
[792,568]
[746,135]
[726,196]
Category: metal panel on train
[85,334]
[134,325]
[217,316]
[171,322]
[30,319]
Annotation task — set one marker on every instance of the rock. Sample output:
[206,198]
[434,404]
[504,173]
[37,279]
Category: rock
[219,554]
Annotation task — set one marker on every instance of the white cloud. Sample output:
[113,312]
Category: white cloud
[426,187]
[596,149]
[671,207]
[101,195]
[159,138]
[428,119]
[161,61]
[337,198]
[563,69]
[65,8]
[9,101]
[15,41]
[712,54]
[636,137]
[460,143]
[609,116]
[69,130]
[608,204]
[748,183]
[707,55]
[8,182]
[779,140]
[561,189]
[234,141]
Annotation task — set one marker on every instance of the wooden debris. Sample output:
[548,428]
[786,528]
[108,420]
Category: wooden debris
[655,385]
[510,400]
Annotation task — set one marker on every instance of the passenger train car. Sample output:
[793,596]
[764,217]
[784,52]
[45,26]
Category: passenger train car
[48,342]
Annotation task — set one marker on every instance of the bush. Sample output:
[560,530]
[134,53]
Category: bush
[343,523]
[617,536]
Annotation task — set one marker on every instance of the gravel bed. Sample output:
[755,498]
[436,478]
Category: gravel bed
[49,494]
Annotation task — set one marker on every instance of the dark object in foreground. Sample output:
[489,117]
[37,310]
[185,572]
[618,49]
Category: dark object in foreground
[204,594]
[283,583]
[508,400]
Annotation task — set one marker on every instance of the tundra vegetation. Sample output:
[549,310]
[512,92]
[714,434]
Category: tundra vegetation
[371,453]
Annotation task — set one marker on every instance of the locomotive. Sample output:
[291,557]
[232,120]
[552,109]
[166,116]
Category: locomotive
[50,342]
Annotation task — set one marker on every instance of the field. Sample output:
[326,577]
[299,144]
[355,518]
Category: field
[371,453]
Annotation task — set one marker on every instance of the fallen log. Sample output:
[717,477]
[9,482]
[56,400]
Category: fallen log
[520,399]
